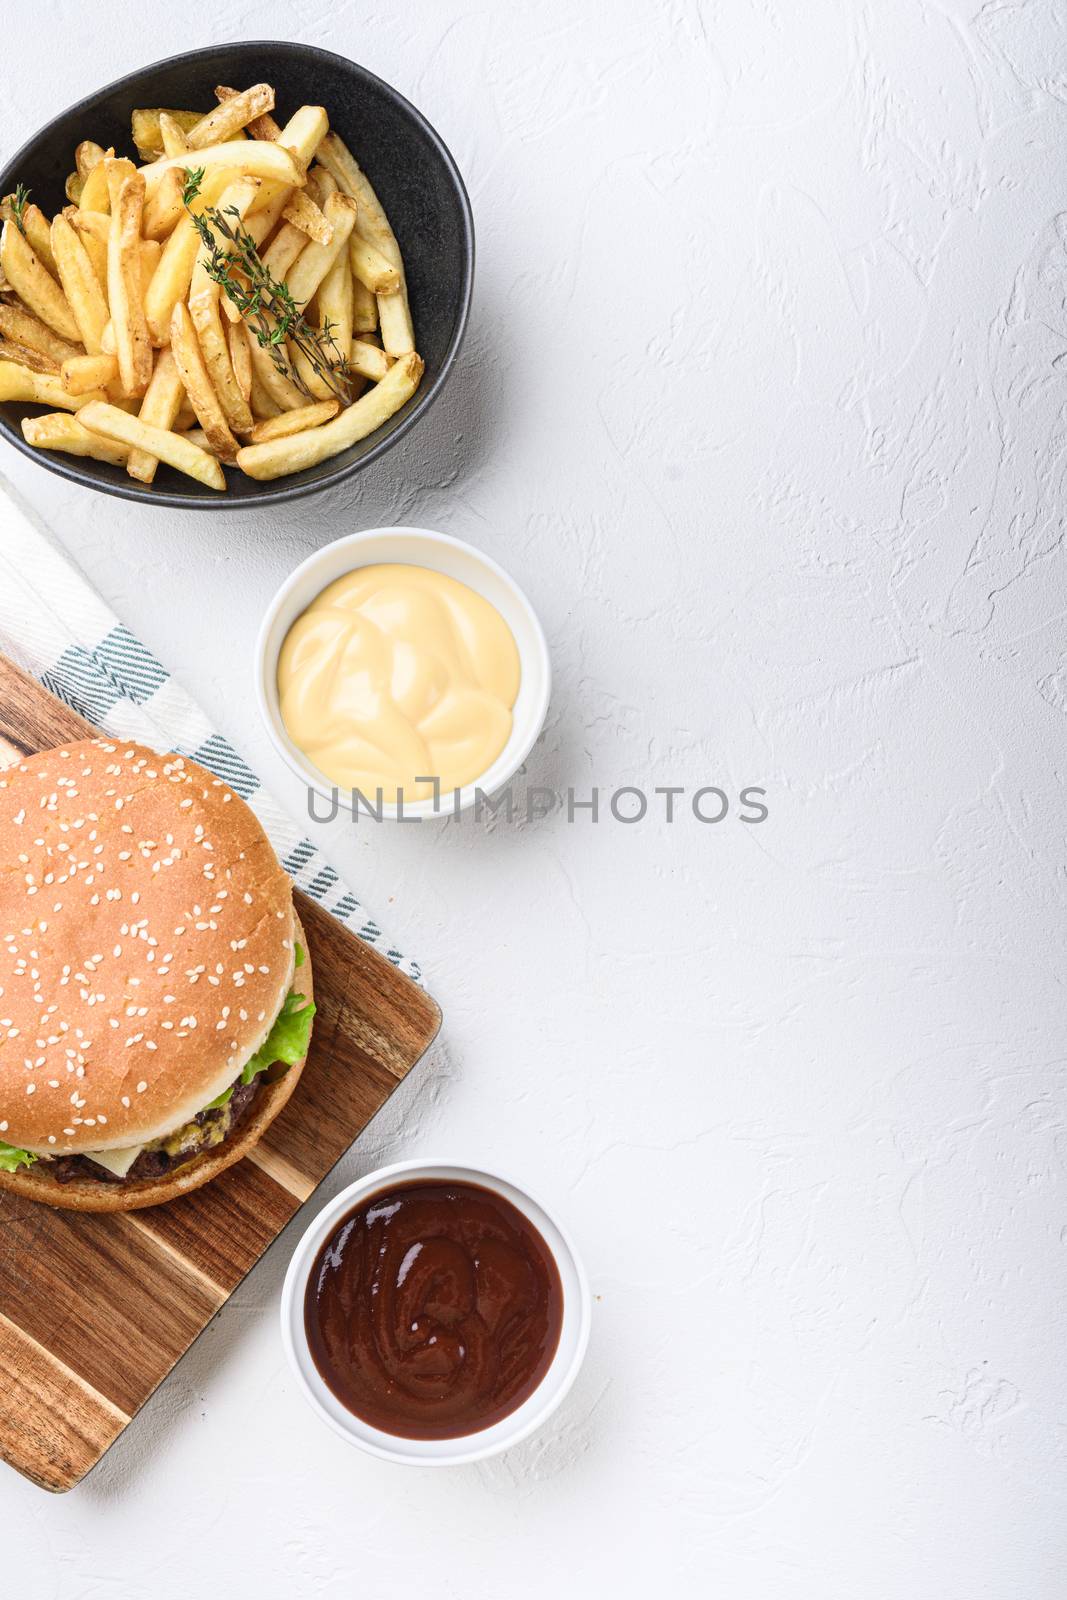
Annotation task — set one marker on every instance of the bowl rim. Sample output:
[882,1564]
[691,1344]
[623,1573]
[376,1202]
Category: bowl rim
[291,488]
[554,1387]
[415,810]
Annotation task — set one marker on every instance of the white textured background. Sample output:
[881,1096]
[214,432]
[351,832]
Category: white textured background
[763,404]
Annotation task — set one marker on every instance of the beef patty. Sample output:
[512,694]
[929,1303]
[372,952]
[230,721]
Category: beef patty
[215,1127]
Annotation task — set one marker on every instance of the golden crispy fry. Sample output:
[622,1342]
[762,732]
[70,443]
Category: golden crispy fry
[204,294]
[186,417]
[250,156]
[265,461]
[80,285]
[261,127]
[304,214]
[364,308]
[281,390]
[368,360]
[304,133]
[34,284]
[23,356]
[88,155]
[60,431]
[290,422]
[37,388]
[315,260]
[240,356]
[165,206]
[170,281]
[82,373]
[73,187]
[116,170]
[133,344]
[172,448]
[194,374]
[92,229]
[371,267]
[160,408]
[283,250]
[108,342]
[198,437]
[393,309]
[331,309]
[36,228]
[144,126]
[95,195]
[261,402]
[22,327]
[231,116]
[174,139]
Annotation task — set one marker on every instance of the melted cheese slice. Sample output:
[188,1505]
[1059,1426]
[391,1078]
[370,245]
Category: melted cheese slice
[117,1161]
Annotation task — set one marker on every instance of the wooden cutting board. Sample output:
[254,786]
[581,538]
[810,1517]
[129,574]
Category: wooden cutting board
[95,1310]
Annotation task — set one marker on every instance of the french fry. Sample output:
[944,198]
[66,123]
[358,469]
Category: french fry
[35,228]
[240,357]
[88,155]
[60,431]
[253,157]
[394,311]
[174,139]
[23,356]
[160,408]
[133,344]
[194,375]
[108,342]
[290,422]
[176,451]
[198,437]
[283,250]
[39,389]
[22,327]
[144,126]
[116,170]
[331,308]
[281,390]
[170,281]
[232,115]
[186,417]
[367,360]
[95,195]
[304,214]
[261,127]
[73,187]
[204,294]
[92,229]
[371,268]
[261,402]
[34,284]
[364,307]
[302,450]
[315,260]
[82,373]
[165,207]
[150,252]
[80,285]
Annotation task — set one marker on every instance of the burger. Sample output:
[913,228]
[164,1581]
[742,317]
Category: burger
[155,990]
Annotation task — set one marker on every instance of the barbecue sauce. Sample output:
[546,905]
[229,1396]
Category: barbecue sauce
[433,1310]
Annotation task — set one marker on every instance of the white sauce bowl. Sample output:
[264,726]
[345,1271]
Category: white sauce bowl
[573,1338]
[418,547]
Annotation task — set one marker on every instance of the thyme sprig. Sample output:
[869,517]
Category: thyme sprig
[266,304]
[18,207]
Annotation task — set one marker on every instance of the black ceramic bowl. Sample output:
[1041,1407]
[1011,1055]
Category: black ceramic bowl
[413,173]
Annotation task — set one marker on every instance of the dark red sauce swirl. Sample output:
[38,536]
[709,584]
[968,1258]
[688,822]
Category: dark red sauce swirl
[433,1310]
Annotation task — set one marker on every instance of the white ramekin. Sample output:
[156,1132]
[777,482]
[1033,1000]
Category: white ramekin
[573,1339]
[423,548]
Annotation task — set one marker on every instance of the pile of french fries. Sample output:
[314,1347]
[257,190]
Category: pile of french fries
[108,313]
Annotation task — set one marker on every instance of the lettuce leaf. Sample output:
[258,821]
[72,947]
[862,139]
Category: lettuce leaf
[287,1041]
[298,955]
[11,1159]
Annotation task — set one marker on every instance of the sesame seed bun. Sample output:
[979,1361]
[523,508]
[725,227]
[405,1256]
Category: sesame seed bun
[146,945]
[92,1194]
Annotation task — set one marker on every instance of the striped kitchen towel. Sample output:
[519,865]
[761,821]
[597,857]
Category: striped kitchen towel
[55,626]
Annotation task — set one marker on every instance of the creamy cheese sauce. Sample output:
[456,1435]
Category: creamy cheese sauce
[397,674]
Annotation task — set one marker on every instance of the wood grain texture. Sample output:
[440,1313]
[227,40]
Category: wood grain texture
[74,1288]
